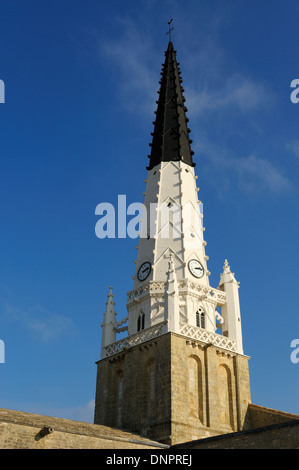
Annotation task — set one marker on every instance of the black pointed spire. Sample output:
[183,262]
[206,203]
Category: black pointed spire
[171,134]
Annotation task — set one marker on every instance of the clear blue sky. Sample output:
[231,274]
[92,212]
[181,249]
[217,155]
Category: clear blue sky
[81,79]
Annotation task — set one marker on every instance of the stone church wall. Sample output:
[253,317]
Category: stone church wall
[19,430]
[173,389]
[260,416]
[277,436]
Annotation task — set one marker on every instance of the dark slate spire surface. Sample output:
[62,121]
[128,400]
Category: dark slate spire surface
[171,140]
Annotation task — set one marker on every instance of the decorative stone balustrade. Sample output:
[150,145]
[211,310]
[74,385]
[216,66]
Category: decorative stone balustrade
[192,332]
[184,285]
[133,340]
[205,336]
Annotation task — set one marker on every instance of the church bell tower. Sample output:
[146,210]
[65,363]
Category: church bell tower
[180,373]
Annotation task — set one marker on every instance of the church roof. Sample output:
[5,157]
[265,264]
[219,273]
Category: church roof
[171,140]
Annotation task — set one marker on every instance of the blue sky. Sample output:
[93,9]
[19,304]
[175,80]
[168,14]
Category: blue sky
[81,81]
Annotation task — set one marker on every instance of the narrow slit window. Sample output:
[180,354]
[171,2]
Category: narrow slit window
[141,322]
[200,319]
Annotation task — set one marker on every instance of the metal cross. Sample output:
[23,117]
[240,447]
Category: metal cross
[169,29]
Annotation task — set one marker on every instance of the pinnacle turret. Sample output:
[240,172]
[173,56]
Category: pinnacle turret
[227,275]
[109,323]
[171,140]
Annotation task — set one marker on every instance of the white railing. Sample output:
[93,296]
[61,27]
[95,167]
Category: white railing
[133,340]
[192,332]
[184,285]
[205,336]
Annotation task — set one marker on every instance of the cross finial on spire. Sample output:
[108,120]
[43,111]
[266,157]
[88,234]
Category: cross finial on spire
[170,29]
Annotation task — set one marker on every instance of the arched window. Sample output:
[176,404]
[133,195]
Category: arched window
[140,321]
[119,397]
[224,402]
[200,318]
[195,388]
[150,386]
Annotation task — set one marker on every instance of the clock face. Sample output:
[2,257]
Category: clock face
[144,271]
[196,268]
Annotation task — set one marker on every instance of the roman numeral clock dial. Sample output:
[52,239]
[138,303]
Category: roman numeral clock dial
[196,268]
[144,271]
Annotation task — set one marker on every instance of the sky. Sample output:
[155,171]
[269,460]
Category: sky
[81,81]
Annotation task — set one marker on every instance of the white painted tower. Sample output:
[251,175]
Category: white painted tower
[180,373]
[171,291]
